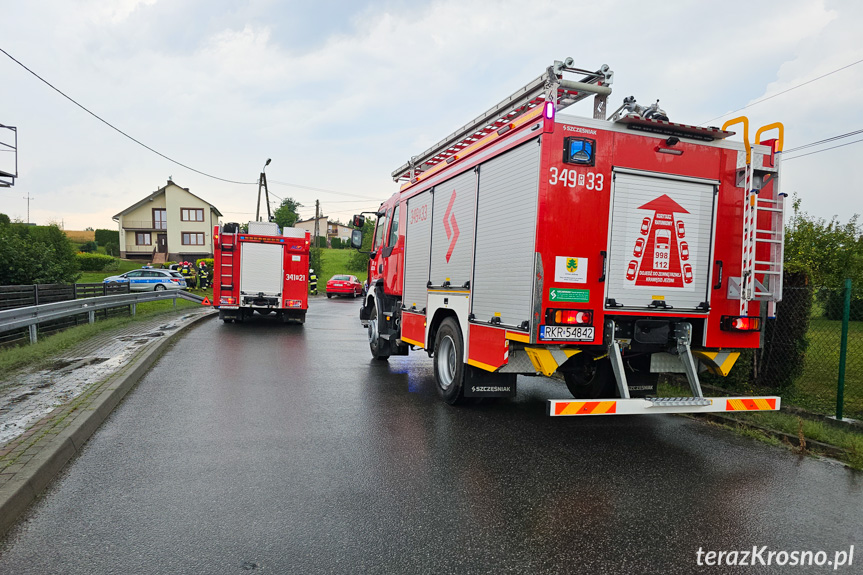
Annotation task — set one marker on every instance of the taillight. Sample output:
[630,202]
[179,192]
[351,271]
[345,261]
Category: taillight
[569,317]
[228,300]
[293,303]
[740,323]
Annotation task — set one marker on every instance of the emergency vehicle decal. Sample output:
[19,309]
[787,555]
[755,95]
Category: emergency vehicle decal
[570,269]
[585,408]
[450,226]
[660,254]
[754,404]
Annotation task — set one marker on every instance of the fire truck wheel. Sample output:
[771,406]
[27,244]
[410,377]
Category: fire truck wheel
[380,348]
[590,378]
[228,320]
[448,362]
[329,295]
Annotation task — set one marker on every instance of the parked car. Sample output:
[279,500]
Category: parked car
[344,285]
[148,279]
[681,230]
[684,251]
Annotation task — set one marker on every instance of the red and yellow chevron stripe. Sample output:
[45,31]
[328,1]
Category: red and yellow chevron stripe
[750,404]
[585,408]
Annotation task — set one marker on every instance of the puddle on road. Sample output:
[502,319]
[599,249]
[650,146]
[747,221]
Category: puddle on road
[27,397]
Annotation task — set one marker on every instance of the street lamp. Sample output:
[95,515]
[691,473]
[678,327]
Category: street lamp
[262,183]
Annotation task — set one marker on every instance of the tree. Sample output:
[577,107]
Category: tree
[286,214]
[829,250]
[359,261]
[4,219]
[89,229]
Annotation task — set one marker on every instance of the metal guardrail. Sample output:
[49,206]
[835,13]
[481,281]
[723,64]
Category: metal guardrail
[32,316]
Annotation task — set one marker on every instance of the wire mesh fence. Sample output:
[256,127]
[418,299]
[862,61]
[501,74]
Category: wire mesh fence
[800,353]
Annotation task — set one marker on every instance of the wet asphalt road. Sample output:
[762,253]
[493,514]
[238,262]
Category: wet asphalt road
[286,449]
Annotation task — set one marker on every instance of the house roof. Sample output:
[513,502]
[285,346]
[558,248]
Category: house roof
[159,192]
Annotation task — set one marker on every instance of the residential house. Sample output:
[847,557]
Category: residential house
[169,224]
[326,229]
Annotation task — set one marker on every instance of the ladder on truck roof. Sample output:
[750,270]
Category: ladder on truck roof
[760,280]
[549,87]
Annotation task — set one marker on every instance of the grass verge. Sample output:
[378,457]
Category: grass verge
[46,348]
[849,441]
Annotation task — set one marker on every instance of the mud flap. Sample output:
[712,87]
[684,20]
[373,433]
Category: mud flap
[481,383]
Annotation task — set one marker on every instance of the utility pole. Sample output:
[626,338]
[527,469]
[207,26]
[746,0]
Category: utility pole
[317,216]
[262,184]
[28,198]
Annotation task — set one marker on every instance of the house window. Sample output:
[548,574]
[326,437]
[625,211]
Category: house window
[160,219]
[191,215]
[143,239]
[193,239]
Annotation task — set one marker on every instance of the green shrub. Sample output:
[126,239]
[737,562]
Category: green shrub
[92,262]
[112,249]
[89,247]
[105,237]
[336,243]
[315,261]
[167,265]
[36,254]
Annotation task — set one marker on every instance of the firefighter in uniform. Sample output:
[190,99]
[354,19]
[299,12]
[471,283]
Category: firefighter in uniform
[313,282]
[203,275]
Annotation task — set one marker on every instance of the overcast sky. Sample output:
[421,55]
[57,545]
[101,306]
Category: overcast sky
[339,94]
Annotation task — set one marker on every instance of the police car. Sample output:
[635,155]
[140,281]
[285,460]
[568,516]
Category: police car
[149,280]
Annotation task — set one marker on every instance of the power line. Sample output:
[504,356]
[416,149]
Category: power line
[782,92]
[824,150]
[826,140]
[322,190]
[113,127]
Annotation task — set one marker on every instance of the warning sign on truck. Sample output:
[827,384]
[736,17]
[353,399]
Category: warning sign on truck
[661,231]
[660,252]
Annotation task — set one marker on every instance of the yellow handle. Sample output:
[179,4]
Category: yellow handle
[745,121]
[776,125]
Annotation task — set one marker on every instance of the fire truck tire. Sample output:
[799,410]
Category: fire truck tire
[380,348]
[590,378]
[329,295]
[449,366]
[228,320]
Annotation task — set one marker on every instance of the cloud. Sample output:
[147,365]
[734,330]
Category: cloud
[341,94]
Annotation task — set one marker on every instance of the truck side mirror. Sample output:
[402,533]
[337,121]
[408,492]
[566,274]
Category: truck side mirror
[357,237]
[359,221]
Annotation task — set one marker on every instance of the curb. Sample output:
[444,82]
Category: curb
[17,495]
[793,440]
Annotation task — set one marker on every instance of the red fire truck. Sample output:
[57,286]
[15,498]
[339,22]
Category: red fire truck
[264,270]
[531,241]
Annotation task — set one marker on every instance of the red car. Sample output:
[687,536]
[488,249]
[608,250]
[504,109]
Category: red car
[645,225]
[681,231]
[639,247]
[630,271]
[344,285]
[687,273]
[684,251]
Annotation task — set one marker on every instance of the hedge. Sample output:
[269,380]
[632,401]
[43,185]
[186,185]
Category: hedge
[104,237]
[93,262]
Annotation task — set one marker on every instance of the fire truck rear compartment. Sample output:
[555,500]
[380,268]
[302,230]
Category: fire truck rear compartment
[661,242]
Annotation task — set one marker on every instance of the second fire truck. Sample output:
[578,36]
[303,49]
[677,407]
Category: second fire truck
[606,251]
[263,270]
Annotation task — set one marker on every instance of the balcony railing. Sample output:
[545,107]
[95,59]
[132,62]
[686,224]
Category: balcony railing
[144,225]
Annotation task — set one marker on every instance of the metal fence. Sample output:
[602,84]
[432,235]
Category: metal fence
[13,297]
[805,357]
